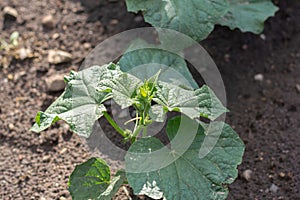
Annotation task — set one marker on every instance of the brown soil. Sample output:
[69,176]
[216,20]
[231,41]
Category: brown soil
[264,113]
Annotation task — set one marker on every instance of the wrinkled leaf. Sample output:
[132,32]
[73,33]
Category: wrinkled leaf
[188,176]
[114,186]
[81,104]
[193,103]
[195,18]
[91,180]
[157,113]
[145,62]
[248,15]
[123,88]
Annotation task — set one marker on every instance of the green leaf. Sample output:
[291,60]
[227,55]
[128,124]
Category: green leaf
[193,103]
[195,18]
[91,180]
[143,62]
[81,104]
[157,113]
[114,186]
[140,181]
[248,15]
[123,87]
[188,176]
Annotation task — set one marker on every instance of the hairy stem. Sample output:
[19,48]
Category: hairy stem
[114,124]
[137,131]
[145,131]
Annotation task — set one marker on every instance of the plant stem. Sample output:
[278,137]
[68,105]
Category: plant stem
[114,124]
[145,131]
[137,131]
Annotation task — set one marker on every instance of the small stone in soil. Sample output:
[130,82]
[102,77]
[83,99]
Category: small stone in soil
[58,56]
[263,36]
[11,127]
[46,158]
[227,57]
[63,150]
[55,83]
[24,53]
[259,77]
[114,21]
[87,45]
[10,77]
[247,174]
[48,21]
[274,188]
[10,12]
[282,174]
[55,36]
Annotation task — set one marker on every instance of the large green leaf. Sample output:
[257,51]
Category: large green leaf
[248,15]
[143,62]
[193,103]
[187,176]
[81,104]
[195,18]
[91,180]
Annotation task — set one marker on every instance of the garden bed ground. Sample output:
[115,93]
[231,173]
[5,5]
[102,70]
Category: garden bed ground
[265,113]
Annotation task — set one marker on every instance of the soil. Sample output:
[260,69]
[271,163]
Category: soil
[264,113]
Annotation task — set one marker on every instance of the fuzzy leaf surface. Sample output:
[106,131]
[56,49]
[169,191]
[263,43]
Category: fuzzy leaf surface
[123,88]
[193,103]
[157,113]
[80,105]
[195,18]
[188,176]
[248,15]
[144,63]
[91,180]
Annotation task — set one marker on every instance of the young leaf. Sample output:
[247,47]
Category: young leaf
[81,104]
[195,18]
[157,113]
[248,15]
[145,62]
[91,180]
[123,88]
[193,103]
[188,176]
